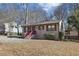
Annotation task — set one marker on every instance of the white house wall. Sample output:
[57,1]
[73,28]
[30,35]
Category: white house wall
[6,27]
[20,29]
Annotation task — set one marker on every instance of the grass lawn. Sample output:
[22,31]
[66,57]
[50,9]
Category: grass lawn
[40,47]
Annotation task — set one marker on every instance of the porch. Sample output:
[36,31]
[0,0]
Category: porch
[48,27]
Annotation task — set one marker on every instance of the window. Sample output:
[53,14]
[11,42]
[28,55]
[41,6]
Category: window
[12,26]
[41,27]
[15,26]
[51,27]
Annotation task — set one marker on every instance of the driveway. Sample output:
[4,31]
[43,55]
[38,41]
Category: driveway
[12,40]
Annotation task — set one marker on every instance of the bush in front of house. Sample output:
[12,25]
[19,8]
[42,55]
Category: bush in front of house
[61,35]
[20,34]
[49,37]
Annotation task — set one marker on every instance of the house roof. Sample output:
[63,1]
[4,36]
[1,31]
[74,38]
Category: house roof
[42,23]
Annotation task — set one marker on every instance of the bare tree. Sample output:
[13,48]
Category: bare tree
[60,13]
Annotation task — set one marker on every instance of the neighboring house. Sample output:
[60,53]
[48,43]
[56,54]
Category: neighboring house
[71,34]
[48,27]
[12,28]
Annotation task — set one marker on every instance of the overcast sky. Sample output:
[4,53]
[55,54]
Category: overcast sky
[47,6]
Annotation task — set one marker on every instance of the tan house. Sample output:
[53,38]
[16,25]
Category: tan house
[47,27]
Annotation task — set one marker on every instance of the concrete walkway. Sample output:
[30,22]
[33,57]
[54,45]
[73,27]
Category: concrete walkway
[12,40]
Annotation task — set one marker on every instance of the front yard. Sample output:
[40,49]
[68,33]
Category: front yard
[38,47]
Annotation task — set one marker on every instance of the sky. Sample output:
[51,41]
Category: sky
[47,6]
[20,6]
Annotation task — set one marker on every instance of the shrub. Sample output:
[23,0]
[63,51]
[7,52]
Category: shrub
[20,34]
[61,35]
[49,36]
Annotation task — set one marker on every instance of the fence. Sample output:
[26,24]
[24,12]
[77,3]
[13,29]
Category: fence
[71,37]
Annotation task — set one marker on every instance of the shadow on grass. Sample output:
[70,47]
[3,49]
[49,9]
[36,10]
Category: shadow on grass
[64,40]
[72,40]
[47,39]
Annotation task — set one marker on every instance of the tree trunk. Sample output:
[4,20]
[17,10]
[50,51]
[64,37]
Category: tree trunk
[17,29]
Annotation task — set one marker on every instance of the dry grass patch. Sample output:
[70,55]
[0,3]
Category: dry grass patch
[40,47]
